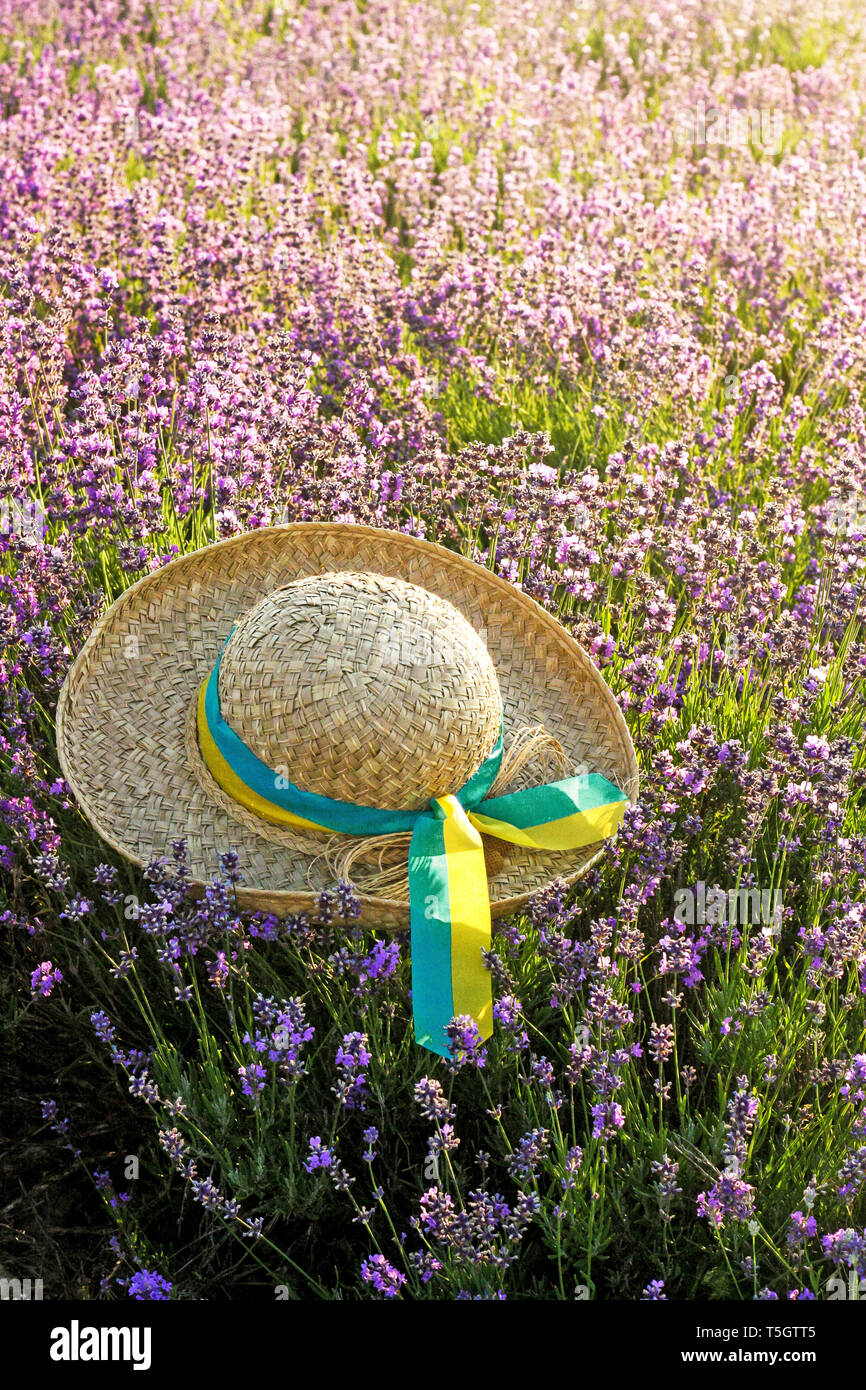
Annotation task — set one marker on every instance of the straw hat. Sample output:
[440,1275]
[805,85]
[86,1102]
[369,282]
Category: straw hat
[362,665]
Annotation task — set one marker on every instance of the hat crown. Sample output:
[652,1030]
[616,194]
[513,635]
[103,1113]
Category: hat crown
[363,688]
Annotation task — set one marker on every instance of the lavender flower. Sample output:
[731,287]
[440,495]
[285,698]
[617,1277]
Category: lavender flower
[465,1047]
[352,1056]
[44,978]
[146,1285]
[382,1276]
[654,1291]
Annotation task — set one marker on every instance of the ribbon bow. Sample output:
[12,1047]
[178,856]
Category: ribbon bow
[449,903]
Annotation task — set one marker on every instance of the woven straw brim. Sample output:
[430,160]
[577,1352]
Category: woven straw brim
[123,712]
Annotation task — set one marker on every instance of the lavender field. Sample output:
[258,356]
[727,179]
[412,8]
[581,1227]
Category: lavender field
[579,291]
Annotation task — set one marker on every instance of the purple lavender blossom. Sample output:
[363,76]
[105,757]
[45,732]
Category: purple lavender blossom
[351,1059]
[44,978]
[146,1285]
[320,1156]
[654,1291]
[382,1276]
[465,1046]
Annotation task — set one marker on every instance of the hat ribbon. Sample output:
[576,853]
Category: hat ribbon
[449,902]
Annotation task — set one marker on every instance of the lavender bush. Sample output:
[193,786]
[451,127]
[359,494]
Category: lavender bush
[579,292]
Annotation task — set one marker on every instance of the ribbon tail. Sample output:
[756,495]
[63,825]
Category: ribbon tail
[570,814]
[450,926]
